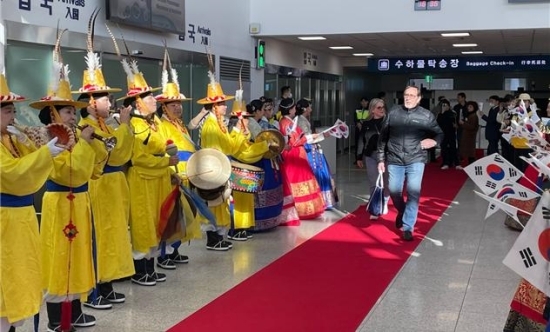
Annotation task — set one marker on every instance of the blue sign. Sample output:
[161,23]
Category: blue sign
[438,64]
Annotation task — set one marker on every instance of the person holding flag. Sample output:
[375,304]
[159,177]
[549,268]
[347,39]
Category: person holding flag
[302,195]
[315,155]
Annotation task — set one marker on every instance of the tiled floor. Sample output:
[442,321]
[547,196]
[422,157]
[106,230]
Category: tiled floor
[455,281]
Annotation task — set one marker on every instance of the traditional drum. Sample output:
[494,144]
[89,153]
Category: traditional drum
[246,178]
[272,135]
[209,170]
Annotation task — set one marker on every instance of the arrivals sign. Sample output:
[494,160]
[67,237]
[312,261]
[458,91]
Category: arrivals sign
[477,63]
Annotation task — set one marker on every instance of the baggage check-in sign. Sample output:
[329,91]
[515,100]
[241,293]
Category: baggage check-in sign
[436,64]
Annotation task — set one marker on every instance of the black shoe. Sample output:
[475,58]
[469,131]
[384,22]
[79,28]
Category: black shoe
[218,246]
[238,235]
[228,243]
[159,277]
[115,297]
[84,320]
[52,328]
[143,279]
[179,259]
[399,221]
[99,303]
[407,236]
[166,263]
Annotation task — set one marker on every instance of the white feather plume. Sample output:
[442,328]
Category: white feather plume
[92,63]
[65,74]
[174,74]
[57,72]
[134,66]
[212,78]
[127,69]
[239,95]
[164,80]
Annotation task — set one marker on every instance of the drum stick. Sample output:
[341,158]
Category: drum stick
[206,172]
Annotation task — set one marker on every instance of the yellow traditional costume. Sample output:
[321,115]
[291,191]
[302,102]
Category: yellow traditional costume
[214,134]
[174,129]
[66,223]
[247,152]
[23,171]
[109,193]
[72,171]
[149,178]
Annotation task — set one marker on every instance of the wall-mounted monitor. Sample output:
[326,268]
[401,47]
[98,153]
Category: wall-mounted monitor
[158,15]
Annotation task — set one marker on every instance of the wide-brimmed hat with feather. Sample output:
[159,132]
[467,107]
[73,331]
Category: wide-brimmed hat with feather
[214,92]
[137,85]
[92,79]
[59,90]
[170,88]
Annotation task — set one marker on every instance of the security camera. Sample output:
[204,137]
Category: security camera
[137,52]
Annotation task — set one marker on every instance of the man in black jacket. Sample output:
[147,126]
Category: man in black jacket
[492,128]
[404,139]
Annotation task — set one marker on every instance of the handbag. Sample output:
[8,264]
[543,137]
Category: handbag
[376,202]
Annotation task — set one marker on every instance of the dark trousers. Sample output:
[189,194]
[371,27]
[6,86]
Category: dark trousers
[449,153]
[507,150]
[431,153]
[492,147]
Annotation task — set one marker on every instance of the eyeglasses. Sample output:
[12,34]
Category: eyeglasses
[379,107]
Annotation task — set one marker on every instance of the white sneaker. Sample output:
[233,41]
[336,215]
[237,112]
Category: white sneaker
[444,167]
[373,217]
[385,210]
[459,167]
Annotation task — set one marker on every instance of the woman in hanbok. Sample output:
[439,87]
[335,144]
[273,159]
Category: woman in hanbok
[24,168]
[268,202]
[315,155]
[300,188]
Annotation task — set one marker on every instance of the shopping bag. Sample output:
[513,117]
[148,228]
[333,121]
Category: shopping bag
[375,207]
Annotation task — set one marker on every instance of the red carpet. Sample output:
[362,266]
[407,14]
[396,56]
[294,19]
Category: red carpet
[330,282]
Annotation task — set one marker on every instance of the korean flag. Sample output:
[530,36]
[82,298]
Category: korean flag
[492,172]
[530,254]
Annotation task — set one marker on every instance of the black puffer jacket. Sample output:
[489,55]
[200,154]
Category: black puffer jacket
[401,133]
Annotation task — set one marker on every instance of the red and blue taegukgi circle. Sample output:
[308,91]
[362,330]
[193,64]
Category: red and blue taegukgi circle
[544,244]
[495,172]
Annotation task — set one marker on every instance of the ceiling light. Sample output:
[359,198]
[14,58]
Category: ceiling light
[341,47]
[455,34]
[472,52]
[312,38]
[363,54]
[464,45]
